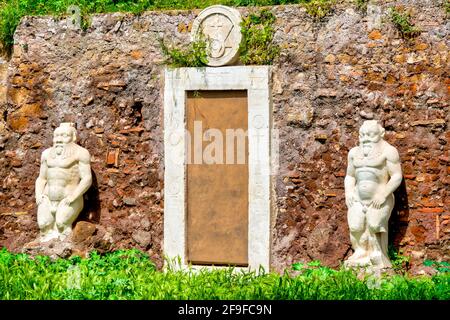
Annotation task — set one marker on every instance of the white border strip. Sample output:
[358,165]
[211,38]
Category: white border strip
[254,79]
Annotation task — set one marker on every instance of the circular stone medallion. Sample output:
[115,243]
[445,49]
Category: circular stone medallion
[220,26]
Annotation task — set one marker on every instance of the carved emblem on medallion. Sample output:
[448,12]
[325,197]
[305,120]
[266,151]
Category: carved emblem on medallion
[220,26]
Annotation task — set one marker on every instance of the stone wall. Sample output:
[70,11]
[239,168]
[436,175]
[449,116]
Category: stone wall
[3,82]
[330,77]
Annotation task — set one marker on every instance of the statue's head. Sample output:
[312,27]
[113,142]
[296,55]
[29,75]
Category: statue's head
[63,135]
[370,133]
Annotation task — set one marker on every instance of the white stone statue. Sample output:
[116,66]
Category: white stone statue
[64,177]
[373,174]
[220,25]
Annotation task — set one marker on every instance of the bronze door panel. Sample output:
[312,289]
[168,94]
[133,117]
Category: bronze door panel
[217,194]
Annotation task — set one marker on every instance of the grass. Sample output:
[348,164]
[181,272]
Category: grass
[11,11]
[131,275]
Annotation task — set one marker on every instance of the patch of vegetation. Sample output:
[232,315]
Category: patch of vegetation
[362,4]
[439,266]
[132,275]
[318,9]
[195,55]
[399,261]
[257,45]
[86,21]
[402,21]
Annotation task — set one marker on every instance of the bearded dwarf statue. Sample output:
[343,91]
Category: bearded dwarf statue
[373,174]
[64,177]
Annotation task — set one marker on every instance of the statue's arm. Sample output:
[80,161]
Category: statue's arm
[84,168]
[41,181]
[395,170]
[350,179]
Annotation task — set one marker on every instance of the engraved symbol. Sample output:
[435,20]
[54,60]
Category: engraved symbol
[258,121]
[173,189]
[215,30]
[174,138]
[220,26]
[74,19]
[259,191]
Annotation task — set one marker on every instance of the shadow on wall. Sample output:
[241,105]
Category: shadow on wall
[400,216]
[92,207]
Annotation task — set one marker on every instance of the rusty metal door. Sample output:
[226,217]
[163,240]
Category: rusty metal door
[217,194]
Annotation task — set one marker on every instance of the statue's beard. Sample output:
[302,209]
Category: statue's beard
[367,148]
[62,149]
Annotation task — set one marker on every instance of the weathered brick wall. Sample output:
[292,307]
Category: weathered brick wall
[330,77]
[3,82]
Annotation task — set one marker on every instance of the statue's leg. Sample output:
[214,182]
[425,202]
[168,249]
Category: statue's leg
[357,225]
[45,219]
[66,215]
[378,220]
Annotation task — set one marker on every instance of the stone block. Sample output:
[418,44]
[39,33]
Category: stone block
[82,231]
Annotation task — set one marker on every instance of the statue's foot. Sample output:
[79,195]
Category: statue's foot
[65,233]
[51,235]
[363,262]
[357,255]
[380,261]
[358,259]
[62,237]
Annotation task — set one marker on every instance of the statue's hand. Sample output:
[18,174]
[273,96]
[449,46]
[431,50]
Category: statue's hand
[378,201]
[350,200]
[67,201]
[40,199]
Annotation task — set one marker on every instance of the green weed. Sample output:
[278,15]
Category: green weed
[439,266]
[257,45]
[402,21]
[362,4]
[193,56]
[318,9]
[399,261]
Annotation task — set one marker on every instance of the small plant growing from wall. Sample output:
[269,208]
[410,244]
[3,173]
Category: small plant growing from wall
[193,55]
[318,9]
[362,4]
[439,266]
[402,21]
[86,21]
[400,262]
[257,45]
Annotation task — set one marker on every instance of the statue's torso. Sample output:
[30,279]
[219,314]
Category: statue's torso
[370,172]
[62,176]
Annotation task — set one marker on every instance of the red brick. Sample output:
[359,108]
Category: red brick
[431,210]
[131,130]
[444,159]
